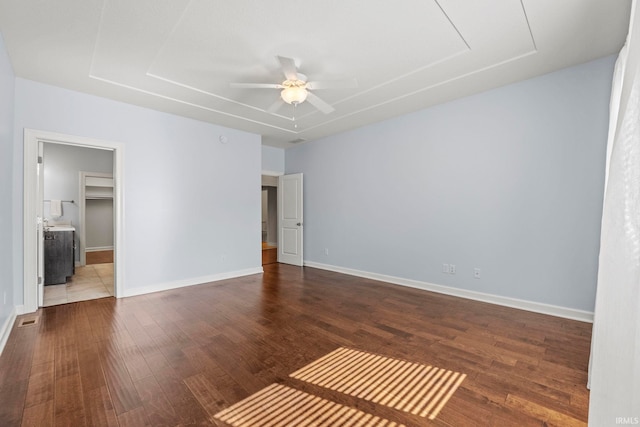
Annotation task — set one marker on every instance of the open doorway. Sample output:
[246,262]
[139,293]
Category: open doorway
[77,209]
[269,219]
[33,239]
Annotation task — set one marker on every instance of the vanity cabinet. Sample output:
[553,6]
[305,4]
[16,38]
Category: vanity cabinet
[59,256]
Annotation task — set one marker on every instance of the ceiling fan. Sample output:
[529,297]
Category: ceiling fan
[295,89]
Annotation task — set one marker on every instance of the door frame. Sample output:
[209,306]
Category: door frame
[40,222]
[31,200]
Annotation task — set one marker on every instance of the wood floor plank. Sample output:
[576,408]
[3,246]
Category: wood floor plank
[177,360]
[99,257]
[90,369]
[156,405]
[69,407]
[99,408]
[15,373]
[537,378]
[135,363]
[235,367]
[134,418]
[44,348]
[123,394]
[467,408]
[156,361]
[186,406]
[211,400]
[41,384]
[41,415]
[549,416]
[18,357]
[12,396]
[179,357]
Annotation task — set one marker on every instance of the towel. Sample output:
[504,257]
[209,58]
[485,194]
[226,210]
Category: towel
[55,209]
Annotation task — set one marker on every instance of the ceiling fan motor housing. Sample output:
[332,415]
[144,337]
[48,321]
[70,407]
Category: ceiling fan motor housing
[294,92]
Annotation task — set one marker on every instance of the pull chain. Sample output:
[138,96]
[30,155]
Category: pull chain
[295,125]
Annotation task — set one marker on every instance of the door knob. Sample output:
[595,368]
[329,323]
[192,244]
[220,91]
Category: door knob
[299,224]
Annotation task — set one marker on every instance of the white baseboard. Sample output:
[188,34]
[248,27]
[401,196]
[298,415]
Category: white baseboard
[537,307]
[190,282]
[99,248]
[6,328]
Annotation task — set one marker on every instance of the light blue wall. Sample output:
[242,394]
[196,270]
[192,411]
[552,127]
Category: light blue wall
[191,203]
[272,159]
[509,181]
[7,80]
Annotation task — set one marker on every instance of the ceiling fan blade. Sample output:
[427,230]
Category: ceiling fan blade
[257,85]
[333,84]
[288,68]
[275,106]
[319,103]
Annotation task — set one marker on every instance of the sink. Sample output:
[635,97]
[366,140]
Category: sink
[59,228]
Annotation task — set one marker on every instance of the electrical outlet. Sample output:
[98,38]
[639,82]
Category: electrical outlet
[326,251]
[476,273]
[452,269]
[445,268]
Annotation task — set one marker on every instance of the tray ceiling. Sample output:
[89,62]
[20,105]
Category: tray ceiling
[180,56]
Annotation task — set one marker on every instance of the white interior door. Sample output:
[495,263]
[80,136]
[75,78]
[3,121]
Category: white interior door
[290,225]
[39,223]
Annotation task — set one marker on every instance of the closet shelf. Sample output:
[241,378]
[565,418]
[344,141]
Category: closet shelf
[99,197]
[97,192]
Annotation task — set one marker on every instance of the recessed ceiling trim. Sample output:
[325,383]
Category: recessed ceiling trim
[168,36]
[395,79]
[430,65]
[158,74]
[195,89]
[97,40]
[526,17]
[296,132]
[191,104]
[464,40]
[370,107]
[371,89]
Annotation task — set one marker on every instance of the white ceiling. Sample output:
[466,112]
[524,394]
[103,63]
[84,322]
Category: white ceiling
[180,56]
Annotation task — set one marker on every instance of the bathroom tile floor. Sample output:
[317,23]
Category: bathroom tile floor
[88,282]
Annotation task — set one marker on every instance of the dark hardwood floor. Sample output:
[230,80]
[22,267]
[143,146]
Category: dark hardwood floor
[178,357]
[269,254]
[99,257]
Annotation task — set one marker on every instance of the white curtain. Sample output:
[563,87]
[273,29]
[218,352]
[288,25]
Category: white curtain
[614,371]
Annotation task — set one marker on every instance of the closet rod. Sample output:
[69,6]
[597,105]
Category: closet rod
[63,201]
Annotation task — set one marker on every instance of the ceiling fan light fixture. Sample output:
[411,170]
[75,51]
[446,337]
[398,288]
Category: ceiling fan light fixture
[294,93]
